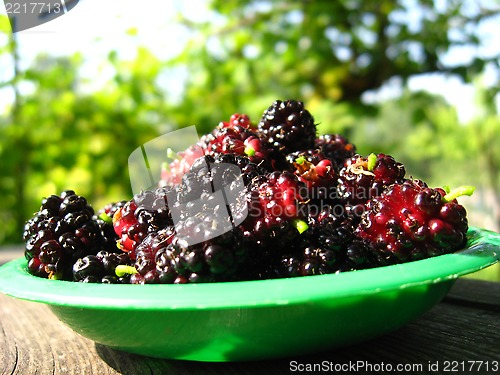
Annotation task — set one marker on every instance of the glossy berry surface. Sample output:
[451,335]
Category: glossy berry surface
[172,171]
[336,148]
[287,126]
[410,221]
[147,212]
[104,219]
[100,268]
[275,199]
[363,178]
[59,233]
[238,119]
[317,172]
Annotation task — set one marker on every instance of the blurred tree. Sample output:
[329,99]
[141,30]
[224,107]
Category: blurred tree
[326,50]
[483,138]
[57,136]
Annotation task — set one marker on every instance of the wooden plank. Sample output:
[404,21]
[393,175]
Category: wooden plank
[447,332]
[31,338]
[475,292]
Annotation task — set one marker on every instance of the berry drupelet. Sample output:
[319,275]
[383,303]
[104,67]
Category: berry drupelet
[226,139]
[319,251]
[194,252]
[204,244]
[216,182]
[328,246]
[246,168]
[145,262]
[237,119]
[273,200]
[277,214]
[235,137]
[237,140]
[171,173]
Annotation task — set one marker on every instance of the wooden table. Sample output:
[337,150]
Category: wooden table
[460,333]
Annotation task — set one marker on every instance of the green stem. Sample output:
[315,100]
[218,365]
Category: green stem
[300,160]
[55,276]
[300,225]
[372,161]
[122,270]
[172,155]
[249,151]
[106,218]
[458,192]
[165,166]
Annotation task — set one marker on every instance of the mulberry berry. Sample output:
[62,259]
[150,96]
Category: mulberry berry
[147,212]
[288,127]
[410,221]
[317,172]
[363,178]
[336,148]
[100,268]
[59,233]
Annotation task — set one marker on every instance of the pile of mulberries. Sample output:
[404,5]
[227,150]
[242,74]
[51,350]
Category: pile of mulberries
[250,202]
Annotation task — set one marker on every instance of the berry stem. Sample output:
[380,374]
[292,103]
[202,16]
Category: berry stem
[171,154]
[300,225]
[55,276]
[249,151]
[106,218]
[300,160]
[122,270]
[458,192]
[372,161]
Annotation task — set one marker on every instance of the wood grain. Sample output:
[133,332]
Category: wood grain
[464,327]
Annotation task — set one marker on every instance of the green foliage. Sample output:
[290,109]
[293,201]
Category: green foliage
[59,137]
[330,50]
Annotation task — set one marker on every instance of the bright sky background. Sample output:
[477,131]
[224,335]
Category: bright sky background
[95,27]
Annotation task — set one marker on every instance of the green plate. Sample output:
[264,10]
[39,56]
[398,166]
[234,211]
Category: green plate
[253,320]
